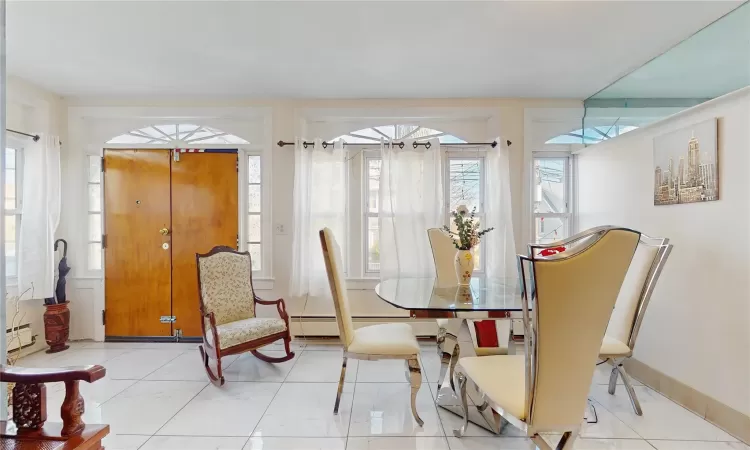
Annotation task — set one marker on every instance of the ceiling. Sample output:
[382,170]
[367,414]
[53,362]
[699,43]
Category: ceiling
[357,49]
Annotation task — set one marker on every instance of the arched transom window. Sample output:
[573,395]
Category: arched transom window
[389,133]
[181,134]
[593,135]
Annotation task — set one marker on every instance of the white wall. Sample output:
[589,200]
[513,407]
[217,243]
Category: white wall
[697,327]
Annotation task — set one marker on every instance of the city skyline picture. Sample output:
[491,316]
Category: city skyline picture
[686,165]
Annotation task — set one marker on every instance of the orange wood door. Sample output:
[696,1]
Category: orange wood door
[204,214]
[137,288]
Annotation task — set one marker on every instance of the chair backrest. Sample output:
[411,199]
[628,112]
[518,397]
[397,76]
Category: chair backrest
[635,293]
[337,281]
[444,256]
[225,284]
[572,300]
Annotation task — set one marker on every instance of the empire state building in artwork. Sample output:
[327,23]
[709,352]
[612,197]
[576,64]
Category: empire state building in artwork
[693,179]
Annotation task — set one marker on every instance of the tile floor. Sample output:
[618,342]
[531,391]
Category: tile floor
[156,396]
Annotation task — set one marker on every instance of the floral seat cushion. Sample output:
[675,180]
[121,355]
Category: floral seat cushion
[241,331]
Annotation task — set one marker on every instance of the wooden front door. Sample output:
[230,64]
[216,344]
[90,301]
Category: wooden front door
[137,288]
[158,214]
[204,214]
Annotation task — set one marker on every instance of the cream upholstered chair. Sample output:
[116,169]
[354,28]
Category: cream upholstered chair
[443,255]
[227,305]
[386,341]
[571,298]
[634,296]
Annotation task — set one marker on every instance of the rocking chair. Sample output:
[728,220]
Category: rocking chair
[227,305]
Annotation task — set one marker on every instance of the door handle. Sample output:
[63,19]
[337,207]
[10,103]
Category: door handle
[164,231]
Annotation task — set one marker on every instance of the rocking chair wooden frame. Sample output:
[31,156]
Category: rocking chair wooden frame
[215,352]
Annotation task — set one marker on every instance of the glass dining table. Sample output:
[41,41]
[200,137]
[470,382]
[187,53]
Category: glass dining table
[483,298]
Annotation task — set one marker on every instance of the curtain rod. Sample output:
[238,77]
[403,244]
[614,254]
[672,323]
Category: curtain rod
[492,144]
[34,137]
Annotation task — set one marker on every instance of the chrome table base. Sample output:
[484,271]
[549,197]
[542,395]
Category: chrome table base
[450,351]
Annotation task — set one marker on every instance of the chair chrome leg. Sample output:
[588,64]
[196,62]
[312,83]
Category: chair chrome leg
[567,441]
[613,380]
[415,375]
[454,360]
[631,392]
[461,381]
[341,387]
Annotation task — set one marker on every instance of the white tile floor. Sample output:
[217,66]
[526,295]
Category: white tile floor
[156,396]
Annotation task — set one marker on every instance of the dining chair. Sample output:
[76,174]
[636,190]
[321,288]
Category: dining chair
[227,303]
[374,342]
[630,309]
[443,256]
[567,302]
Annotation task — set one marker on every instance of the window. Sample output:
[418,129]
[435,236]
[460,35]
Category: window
[94,201]
[13,199]
[254,207]
[592,135]
[464,185]
[389,133]
[181,134]
[464,181]
[372,208]
[550,197]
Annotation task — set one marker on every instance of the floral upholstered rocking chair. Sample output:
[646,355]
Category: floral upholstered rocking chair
[227,305]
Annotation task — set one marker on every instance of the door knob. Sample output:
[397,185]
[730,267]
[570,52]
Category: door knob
[164,231]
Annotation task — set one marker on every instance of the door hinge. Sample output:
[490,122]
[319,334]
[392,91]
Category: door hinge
[177,335]
[102,164]
[167,319]
[237,164]
[238,242]
[104,241]
[104,317]
[176,155]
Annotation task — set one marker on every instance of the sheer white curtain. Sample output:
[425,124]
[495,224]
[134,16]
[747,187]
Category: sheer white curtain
[40,217]
[411,201]
[319,201]
[500,243]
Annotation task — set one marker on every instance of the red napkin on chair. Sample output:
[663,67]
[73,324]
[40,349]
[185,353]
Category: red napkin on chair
[486,333]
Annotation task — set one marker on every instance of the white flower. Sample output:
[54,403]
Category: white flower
[462,209]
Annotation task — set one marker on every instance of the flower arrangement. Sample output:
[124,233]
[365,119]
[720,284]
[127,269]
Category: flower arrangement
[468,234]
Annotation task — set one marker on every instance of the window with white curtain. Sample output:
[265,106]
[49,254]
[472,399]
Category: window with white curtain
[463,181]
[551,193]
[13,201]
[94,202]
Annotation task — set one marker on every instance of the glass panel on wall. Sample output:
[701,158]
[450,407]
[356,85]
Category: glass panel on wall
[710,63]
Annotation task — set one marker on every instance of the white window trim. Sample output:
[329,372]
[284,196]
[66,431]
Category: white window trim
[569,198]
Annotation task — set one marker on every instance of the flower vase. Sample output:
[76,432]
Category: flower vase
[464,266]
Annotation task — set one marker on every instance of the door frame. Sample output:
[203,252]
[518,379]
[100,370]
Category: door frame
[262,280]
